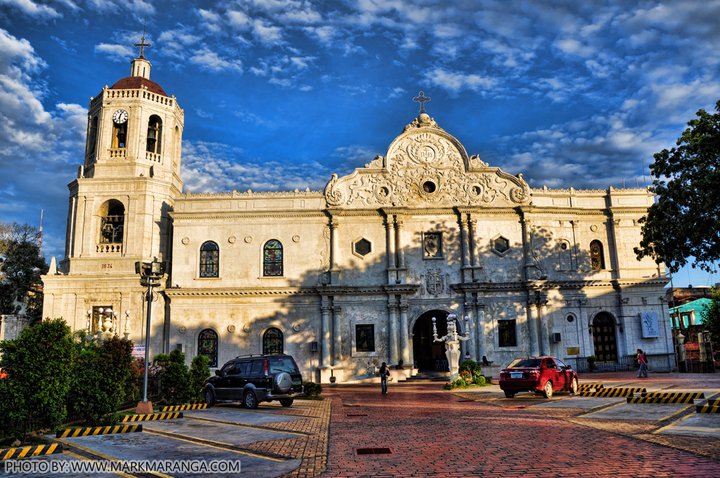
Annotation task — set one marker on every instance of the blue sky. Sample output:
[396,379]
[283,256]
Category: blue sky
[279,94]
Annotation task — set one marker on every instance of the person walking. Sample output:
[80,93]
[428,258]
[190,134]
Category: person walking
[384,374]
[642,361]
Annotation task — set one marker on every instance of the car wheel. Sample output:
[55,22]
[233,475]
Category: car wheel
[548,389]
[286,402]
[209,398]
[574,386]
[250,400]
[283,382]
[509,394]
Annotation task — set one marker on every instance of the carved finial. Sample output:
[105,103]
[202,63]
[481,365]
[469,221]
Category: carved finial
[421,98]
[142,43]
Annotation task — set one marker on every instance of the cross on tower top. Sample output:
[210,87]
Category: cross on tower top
[142,43]
[421,98]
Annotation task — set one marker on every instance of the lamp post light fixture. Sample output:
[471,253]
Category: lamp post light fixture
[150,275]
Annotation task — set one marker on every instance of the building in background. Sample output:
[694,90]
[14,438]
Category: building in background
[349,277]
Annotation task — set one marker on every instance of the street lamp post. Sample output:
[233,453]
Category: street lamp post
[150,275]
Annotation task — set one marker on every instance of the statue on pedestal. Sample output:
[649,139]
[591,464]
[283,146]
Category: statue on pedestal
[452,343]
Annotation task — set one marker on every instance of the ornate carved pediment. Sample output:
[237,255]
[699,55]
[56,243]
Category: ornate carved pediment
[426,167]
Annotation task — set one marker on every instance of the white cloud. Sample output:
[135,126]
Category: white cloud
[114,51]
[239,19]
[324,34]
[456,82]
[210,60]
[267,33]
[33,9]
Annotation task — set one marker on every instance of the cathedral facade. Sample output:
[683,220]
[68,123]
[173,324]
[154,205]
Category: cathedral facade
[360,273]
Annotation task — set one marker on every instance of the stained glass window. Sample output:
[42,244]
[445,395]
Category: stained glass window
[208,345]
[273,258]
[597,259]
[272,341]
[209,260]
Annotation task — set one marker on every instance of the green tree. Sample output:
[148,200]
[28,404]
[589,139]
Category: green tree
[711,316]
[174,377]
[39,364]
[683,222]
[21,266]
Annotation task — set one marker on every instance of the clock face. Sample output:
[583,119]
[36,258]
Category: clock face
[120,116]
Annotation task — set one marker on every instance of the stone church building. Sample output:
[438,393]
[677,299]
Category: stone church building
[351,276]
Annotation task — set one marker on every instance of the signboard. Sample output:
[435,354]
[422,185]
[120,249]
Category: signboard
[138,351]
[573,350]
[649,325]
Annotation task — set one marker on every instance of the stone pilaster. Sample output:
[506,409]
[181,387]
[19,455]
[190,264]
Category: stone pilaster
[404,334]
[392,332]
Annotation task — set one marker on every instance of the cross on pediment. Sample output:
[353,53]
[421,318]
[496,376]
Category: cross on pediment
[421,98]
[142,43]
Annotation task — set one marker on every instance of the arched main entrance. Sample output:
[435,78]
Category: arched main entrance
[429,355]
[604,340]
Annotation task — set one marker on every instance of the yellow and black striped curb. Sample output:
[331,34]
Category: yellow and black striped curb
[177,408]
[111,429]
[614,392]
[151,416]
[28,451]
[711,406]
[676,397]
[586,387]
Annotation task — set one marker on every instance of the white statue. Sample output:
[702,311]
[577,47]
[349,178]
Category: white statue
[452,343]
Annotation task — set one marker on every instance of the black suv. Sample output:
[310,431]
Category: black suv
[255,378]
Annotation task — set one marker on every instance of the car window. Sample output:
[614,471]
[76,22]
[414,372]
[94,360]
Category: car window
[282,364]
[550,363]
[228,368]
[526,362]
[243,368]
[560,363]
[257,367]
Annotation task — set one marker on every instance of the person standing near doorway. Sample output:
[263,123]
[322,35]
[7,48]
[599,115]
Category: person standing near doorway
[642,361]
[384,374]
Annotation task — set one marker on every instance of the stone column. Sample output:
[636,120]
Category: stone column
[399,251]
[527,246]
[392,331]
[544,334]
[337,336]
[480,330]
[325,344]
[464,249]
[390,248]
[471,345]
[472,227]
[532,323]
[404,334]
[334,248]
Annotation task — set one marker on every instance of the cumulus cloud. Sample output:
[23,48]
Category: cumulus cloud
[217,167]
[32,9]
[210,60]
[115,52]
[455,82]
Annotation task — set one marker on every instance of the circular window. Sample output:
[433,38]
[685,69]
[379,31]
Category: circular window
[429,187]
[384,191]
[563,246]
[570,318]
[477,190]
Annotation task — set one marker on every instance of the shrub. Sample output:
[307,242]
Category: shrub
[99,379]
[312,390]
[174,378]
[39,364]
[199,372]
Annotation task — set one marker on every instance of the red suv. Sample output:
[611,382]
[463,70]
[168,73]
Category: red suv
[545,375]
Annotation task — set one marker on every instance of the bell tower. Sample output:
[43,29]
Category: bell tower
[126,187]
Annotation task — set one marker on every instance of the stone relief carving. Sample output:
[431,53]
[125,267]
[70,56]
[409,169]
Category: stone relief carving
[435,282]
[426,166]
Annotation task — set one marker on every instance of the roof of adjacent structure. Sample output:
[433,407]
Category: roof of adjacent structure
[697,305]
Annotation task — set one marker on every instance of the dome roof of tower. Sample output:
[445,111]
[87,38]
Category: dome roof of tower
[134,82]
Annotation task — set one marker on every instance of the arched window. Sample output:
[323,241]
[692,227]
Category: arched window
[272,341]
[273,258]
[208,346]
[112,222]
[209,260]
[92,136]
[154,135]
[597,258]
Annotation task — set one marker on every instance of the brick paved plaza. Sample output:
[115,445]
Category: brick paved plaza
[431,432]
